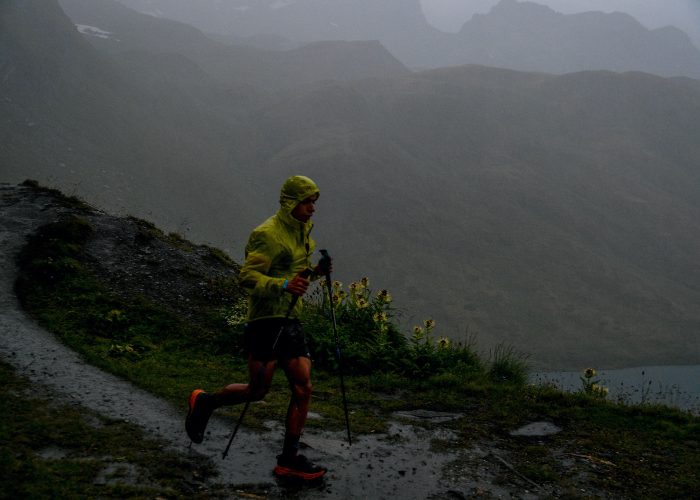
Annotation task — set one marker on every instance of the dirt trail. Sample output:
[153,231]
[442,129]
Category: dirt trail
[374,467]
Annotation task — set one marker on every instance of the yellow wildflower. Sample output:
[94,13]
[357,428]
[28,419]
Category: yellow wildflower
[589,373]
[361,303]
[114,315]
[384,296]
[443,342]
[380,317]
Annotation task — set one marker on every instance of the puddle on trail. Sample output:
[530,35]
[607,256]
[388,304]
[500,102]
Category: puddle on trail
[398,464]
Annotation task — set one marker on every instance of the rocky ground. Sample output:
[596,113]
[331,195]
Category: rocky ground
[400,464]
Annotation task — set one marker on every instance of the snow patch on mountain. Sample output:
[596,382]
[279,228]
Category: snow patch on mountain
[96,32]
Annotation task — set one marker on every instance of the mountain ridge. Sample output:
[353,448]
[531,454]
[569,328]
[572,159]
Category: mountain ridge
[563,43]
[233,64]
[549,41]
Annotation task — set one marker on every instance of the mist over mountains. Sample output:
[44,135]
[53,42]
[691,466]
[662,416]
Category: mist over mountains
[516,35]
[559,214]
[241,65]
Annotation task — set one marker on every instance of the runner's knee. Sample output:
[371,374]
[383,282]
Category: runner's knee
[302,389]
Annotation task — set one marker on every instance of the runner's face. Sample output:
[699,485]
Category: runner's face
[305,209]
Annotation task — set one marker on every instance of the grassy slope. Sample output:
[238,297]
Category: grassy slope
[626,451]
[50,449]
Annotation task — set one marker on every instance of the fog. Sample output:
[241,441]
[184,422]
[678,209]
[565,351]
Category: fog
[450,15]
[568,215]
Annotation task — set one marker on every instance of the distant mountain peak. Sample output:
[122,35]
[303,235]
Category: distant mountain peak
[527,36]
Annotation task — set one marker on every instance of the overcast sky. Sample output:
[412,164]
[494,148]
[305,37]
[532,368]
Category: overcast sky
[450,15]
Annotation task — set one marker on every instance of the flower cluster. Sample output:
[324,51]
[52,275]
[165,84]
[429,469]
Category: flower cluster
[422,336]
[236,314]
[371,339]
[360,299]
[593,387]
[128,351]
[115,316]
[364,321]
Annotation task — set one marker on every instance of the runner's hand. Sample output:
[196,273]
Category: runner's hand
[297,285]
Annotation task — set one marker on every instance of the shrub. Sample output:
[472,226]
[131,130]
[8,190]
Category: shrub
[53,252]
[370,340]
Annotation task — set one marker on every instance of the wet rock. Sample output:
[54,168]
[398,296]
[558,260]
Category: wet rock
[435,417]
[536,429]
[52,453]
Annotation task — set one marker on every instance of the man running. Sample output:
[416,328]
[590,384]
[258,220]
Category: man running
[277,271]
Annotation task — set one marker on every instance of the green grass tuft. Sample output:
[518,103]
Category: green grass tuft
[507,365]
[51,450]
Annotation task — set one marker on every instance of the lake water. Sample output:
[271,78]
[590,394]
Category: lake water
[677,386]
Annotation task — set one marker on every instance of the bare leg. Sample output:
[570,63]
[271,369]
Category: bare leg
[260,377]
[298,371]
[290,463]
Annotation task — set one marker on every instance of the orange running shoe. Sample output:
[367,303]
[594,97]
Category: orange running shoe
[200,409]
[298,466]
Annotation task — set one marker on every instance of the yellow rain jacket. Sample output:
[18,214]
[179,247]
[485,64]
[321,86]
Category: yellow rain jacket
[277,250]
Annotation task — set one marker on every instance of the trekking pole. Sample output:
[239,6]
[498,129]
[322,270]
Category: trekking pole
[240,419]
[329,286]
[305,274]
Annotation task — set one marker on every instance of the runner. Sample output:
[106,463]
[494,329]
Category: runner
[277,271]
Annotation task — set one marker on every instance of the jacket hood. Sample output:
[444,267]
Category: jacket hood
[296,189]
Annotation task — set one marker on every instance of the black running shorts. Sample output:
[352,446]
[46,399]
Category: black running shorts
[260,336]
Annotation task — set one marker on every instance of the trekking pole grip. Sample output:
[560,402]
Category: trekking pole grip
[325,263]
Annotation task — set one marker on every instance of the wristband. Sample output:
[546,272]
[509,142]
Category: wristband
[284,285]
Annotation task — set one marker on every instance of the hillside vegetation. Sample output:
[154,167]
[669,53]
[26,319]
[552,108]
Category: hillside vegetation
[163,313]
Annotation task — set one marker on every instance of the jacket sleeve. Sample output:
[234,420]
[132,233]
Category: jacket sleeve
[258,261]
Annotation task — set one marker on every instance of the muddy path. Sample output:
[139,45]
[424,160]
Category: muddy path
[399,464]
